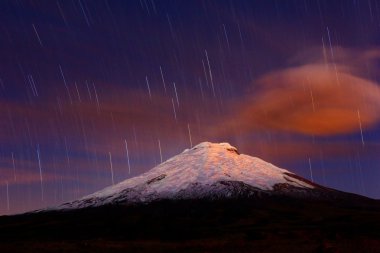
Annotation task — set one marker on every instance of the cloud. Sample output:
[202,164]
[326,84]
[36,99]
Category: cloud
[22,177]
[75,139]
[315,99]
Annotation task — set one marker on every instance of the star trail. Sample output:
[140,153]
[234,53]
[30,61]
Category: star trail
[95,92]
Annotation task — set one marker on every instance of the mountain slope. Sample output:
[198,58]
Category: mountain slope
[207,199]
[207,170]
[269,224]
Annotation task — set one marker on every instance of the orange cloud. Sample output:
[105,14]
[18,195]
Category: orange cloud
[315,99]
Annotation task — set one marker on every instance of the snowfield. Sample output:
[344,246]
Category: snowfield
[195,173]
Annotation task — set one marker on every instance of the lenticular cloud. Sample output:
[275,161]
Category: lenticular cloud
[319,99]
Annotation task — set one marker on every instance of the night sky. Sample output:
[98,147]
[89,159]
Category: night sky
[94,92]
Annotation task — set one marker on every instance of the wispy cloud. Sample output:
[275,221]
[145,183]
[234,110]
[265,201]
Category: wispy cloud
[319,98]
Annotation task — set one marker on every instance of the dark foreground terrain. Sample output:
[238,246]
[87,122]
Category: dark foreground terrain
[241,225]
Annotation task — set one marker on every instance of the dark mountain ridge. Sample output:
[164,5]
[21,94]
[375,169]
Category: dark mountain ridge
[203,206]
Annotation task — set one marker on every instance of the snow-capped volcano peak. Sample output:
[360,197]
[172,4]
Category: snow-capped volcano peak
[197,172]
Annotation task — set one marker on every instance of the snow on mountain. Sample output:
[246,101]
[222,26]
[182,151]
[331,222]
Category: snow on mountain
[206,169]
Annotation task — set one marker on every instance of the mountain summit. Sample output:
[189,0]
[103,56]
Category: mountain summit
[208,198]
[208,170]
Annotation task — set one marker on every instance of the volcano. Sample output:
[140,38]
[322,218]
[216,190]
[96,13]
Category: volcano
[209,198]
[207,171]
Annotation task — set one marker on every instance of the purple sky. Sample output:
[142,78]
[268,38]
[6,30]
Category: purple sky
[292,82]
